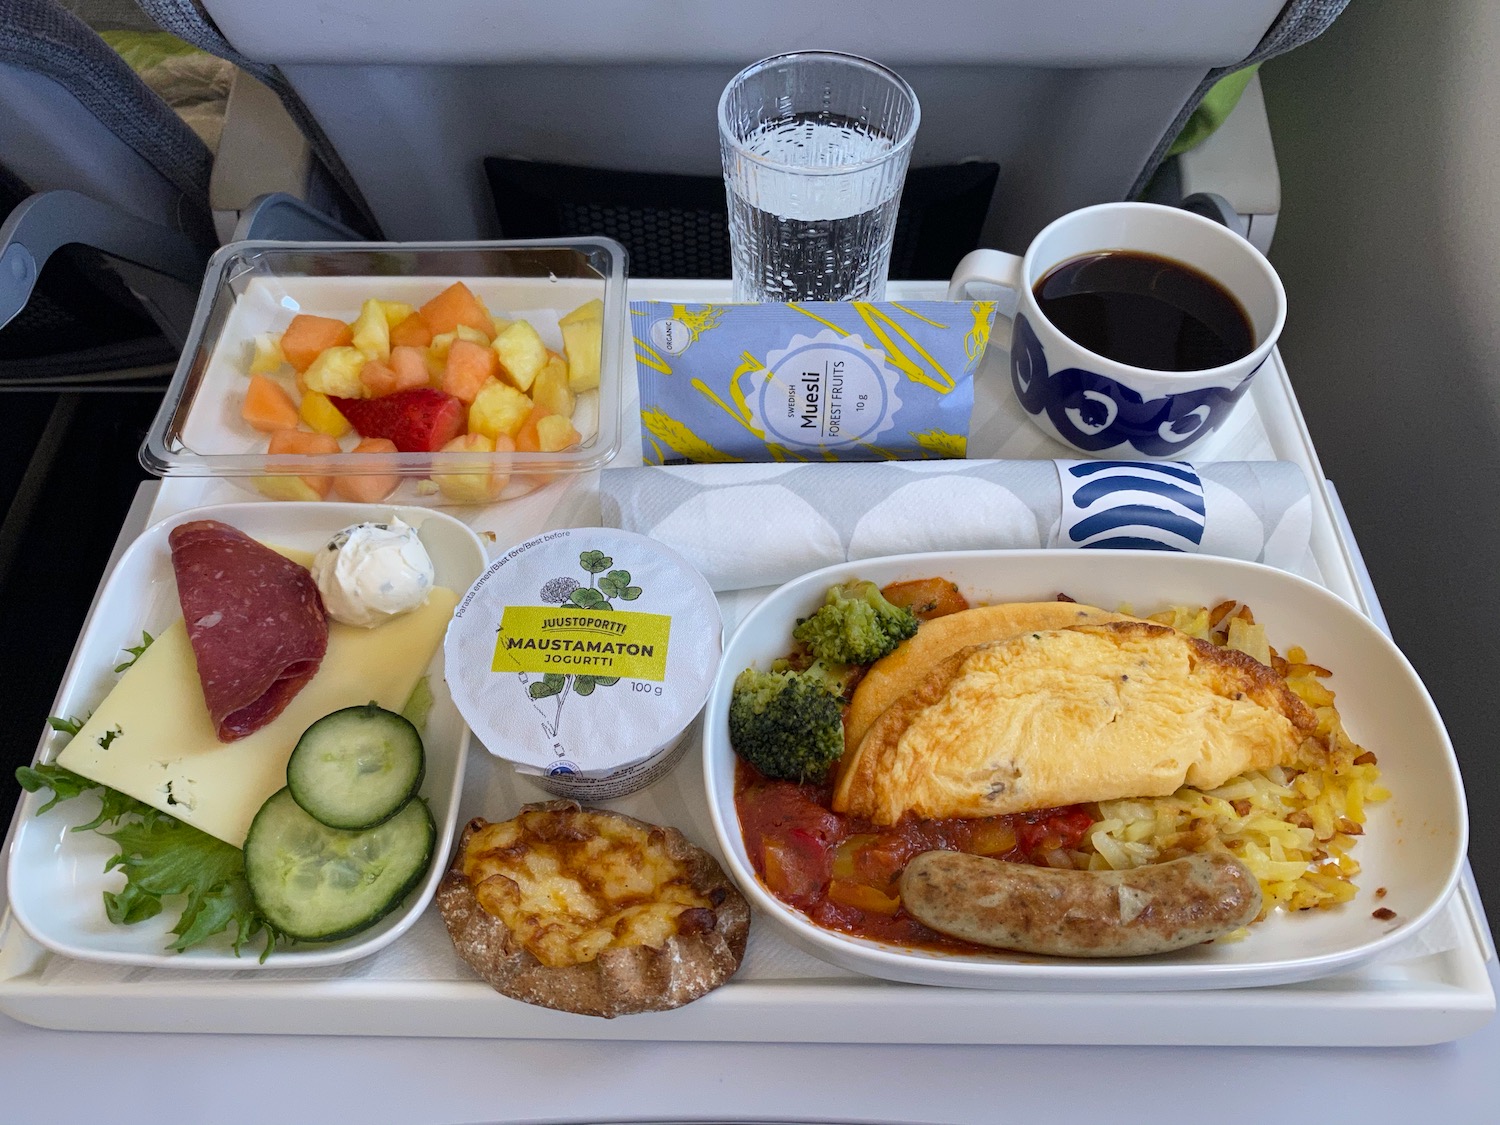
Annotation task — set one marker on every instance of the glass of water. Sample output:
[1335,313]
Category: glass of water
[815,148]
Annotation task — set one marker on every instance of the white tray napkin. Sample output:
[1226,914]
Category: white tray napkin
[756,525]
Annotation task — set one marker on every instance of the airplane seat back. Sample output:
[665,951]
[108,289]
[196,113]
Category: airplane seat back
[1074,101]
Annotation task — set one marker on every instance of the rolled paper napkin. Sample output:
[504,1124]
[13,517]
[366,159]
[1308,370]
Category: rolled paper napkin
[749,525]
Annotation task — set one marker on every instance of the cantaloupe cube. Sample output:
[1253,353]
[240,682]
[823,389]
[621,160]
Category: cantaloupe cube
[395,312]
[483,483]
[265,354]
[551,388]
[267,407]
[372,334]
[498,409]
[300,443]
[336,372]
[410,368]
[309,336]
[583,338]
[469,367]
[556,433]
[322,415]
[411,332]
[527,440]
[380,378]
[368,488]
[456,305]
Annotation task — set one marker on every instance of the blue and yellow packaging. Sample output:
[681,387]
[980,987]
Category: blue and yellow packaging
[818,381]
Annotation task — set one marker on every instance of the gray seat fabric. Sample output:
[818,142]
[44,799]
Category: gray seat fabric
[80,130]
[186,20]
[1301,21]
[40,37]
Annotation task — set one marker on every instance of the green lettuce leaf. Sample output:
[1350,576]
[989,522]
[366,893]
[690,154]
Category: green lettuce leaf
[164,857]
[161,857]
[65,785]
[418,704]
[135,651]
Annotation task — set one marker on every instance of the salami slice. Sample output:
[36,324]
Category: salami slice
[255,620]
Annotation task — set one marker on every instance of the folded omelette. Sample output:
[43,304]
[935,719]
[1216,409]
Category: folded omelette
[1061,716]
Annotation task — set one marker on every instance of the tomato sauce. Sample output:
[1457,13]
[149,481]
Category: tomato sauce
[841,871]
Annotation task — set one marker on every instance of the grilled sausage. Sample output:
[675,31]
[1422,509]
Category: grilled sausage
[1151,909]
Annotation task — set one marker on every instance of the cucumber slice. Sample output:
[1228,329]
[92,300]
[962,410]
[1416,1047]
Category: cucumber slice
[356,767]
[315,883]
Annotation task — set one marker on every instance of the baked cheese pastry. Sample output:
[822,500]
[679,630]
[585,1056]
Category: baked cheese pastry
[590,911]
[1064,716]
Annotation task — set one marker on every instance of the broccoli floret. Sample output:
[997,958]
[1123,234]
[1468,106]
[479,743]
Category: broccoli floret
[840,679]
[785,724]
[856,625]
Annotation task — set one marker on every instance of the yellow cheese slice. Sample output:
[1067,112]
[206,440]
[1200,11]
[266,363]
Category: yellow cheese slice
[152,737]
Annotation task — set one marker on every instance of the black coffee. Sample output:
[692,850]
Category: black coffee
[1146,311]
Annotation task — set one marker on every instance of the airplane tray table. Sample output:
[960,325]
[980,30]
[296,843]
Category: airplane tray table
[1432,988]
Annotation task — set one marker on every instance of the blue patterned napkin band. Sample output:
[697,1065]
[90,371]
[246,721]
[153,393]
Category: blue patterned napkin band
[1136,505]
[750,525]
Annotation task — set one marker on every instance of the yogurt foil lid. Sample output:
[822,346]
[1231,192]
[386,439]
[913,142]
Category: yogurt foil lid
[583,651]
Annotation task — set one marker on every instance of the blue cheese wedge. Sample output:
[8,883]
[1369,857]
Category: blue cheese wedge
[152,737]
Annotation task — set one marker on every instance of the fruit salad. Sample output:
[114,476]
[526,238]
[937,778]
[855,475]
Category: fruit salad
[446,376]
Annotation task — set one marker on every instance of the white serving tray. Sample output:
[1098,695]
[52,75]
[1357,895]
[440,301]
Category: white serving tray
[1433,989]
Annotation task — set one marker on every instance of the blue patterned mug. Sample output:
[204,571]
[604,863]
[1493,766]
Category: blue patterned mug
[1101,406]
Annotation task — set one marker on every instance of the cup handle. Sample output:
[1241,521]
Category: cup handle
[994,270]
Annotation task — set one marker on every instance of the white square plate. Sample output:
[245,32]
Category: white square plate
[56,876]
[1413,844]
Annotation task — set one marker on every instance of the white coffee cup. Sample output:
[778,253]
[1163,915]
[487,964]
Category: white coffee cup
[1103,407]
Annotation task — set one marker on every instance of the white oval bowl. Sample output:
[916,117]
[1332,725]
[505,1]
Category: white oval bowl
[1413,845]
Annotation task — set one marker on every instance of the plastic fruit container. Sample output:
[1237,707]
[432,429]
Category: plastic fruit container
[254,289]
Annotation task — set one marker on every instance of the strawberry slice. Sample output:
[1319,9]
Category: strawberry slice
[421,420]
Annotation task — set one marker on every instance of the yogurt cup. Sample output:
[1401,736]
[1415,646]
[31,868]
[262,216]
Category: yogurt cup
[582,656]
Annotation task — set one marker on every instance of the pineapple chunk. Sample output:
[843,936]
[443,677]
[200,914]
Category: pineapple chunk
[522,353]
[498,409]
[395,312]
[589,310]
[372,332]
[442,342]
[555,433]
[286,488]
[336,372]
[551,391]
[484,482]
[583,338]
[266,358]
[322,415]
